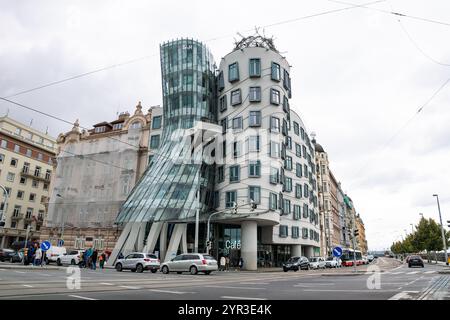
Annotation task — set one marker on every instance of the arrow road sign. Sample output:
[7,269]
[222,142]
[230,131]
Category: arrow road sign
[45,245]
[337,252]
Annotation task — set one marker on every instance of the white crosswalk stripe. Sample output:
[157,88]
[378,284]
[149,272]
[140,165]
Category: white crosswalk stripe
[413,272]
[431,271]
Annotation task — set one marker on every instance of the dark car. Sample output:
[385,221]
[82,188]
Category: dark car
[5,254]
[296,263]
[415,261]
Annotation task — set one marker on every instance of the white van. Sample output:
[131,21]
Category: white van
[53,253]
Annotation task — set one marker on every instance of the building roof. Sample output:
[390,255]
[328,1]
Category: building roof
[317,146]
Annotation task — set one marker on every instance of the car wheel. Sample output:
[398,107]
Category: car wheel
[119,267]
[73,262]
[140,268]
[58,262]
[165,269]
[207,272]
[154,270]
[285,269]
[193,270]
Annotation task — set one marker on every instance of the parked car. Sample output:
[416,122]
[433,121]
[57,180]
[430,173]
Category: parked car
[317,263]
[138,262]
[333,262]
[190,262]
[296,263]
[73,258]
[364,260]
[370,258]
[17,256]
[415,261]
[6,254]
[52,254]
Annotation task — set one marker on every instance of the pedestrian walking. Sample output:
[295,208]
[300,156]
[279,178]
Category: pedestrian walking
[222,263]
[94,259]
[241,263]
[38,257]
[227,263]
[102,259]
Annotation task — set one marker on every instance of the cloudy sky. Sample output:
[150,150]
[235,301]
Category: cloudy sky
[358,76]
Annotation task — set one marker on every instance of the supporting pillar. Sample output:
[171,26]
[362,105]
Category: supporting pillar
[296,250]
[119,244]
[2,245]
[309,251]
[184,240]
[163,241]
[249,244]
[175,240]
[152,237]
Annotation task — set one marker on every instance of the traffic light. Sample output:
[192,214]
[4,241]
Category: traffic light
[448,221]
[356,232]
[253,205]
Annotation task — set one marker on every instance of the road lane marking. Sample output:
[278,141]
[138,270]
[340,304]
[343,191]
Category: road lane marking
[169,291]
[250,283]
[227,287]
[28,286]
[431,271]
[397,272]
[130,287]
[80,297]
[19,272]
[403,294]
[413,272]
[241,298]
[106,283]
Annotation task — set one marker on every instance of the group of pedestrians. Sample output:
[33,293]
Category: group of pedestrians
[90,257]
[224,263]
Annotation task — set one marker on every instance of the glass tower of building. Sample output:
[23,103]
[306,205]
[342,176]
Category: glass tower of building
[167,191]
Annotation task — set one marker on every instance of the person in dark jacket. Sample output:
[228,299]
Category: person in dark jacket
[94,257]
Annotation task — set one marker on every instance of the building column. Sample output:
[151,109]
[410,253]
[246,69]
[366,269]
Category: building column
[296,250]
[249,244]
[2,245]
[309,251]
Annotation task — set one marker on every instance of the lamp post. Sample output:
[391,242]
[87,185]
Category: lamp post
[442,229]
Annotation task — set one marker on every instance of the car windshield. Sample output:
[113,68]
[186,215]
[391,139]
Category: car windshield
[313,259]
[293,259]
[151,256]
[207,257]
[330,259]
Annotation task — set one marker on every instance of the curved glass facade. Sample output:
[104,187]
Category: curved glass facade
[167,191]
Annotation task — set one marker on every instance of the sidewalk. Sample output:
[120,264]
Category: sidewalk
[4,265]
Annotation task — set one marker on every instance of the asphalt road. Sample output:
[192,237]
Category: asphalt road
[394,281]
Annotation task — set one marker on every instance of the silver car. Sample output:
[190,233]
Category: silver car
[190,262]
[138,262]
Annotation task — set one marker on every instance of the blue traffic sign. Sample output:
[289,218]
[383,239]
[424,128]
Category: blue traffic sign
[45,245]
[60,242]
[337,252]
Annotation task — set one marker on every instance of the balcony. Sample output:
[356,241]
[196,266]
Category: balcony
[28,219]
[17,216]
[36,175]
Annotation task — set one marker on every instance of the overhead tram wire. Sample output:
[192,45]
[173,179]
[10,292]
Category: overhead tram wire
[389,141]
[208,40]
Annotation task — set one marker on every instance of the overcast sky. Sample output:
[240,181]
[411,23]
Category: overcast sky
[356,75]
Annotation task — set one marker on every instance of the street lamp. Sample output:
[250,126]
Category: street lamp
[442,229]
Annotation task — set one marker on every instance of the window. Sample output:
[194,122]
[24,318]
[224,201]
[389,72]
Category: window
[235,173]
[298,190]
[295,232]
[298,170]
[305,211]
[237,152]
[29,213]
[287,81]
[136,125]
[288,163]
[16,211]
[224,149]
[156,123]
[254,94]
[48,174]
[220,174]
[305,190]
[296,127]
[254,193]
[304,151]
[254,119]
[236,97]
[23,180]
[14,162]
[237,123]
[32,197]
[17,148]
[297,212]
[274,97]
[274,175]
[10,177]
[230,199]
[220,81]
[233,72]
[20,194]
[35,183]
[223,103]
[117,126]
[286,105]
[287,206]
[274,149]
[255,67]
[100,129]
[39,157]
[287,184]
[45,187]
[254,169]
[4,144]
[187,79]
[302,133]
[253,143]
[305,171]
[276,72]
[273,204]
[29,153]
[187,101]
[224,124]
[283,231]
[2,158]
[274,124]
[154,142]
[289,143]
[298,150]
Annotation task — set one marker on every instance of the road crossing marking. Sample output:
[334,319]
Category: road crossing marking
[80,297]
[403,294]
[19,272]
[130,287]
[431,271]
[169,291]
[106,283]
[241,298]
[244,288]
[413,272]
[28,286]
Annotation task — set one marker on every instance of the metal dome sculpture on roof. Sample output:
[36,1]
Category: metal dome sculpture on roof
[256,40]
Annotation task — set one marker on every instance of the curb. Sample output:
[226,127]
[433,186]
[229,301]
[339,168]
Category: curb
[19,267]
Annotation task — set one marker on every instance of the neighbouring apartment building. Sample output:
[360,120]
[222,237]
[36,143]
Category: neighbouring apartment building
[96,170]
[361,238]
[27,165]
